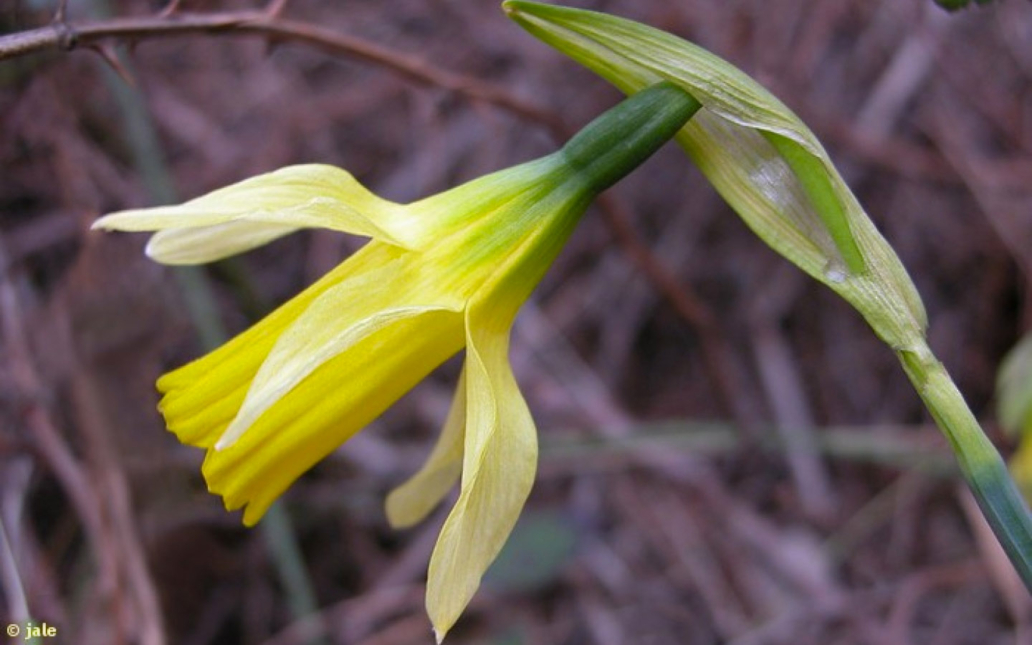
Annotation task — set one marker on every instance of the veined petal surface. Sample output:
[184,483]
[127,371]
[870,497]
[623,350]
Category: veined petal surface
[335,321]
[203,244]
[497,474]
[500,444]
[275,203]
[324,410]
[202,397]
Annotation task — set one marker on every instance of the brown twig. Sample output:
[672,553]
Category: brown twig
[68,36]
[100,495]
[113,486]
[47,440]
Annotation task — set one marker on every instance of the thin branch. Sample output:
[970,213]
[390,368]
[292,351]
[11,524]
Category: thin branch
[47,439]
[74,35]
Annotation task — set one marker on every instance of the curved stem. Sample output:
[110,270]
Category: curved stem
[980,463]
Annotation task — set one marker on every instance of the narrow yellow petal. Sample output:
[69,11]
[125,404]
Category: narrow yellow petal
[498,472]
[203,244]
[337,319]
[304,348]
[412,501]
[203,396]
[256,210]
[334,321]
[335,401]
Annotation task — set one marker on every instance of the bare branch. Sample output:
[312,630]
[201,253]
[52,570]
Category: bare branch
[107,53]
[69,36]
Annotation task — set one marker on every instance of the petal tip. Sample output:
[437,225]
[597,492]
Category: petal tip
[226,441]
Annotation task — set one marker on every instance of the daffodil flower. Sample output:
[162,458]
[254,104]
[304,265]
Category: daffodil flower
[443,273]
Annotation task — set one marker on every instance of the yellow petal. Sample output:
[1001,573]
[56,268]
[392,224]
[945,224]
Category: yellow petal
[336,321]
[497,474]
[203,396]
[335,401]
[256,210]
[412,501]
[342,316]
[202,244]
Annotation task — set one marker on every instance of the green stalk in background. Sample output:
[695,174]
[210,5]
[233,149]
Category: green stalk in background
[776,175]
[1014,409]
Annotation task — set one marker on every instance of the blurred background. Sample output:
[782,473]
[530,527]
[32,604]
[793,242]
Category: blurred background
[729,455]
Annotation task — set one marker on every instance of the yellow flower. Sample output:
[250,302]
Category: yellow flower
[439,274]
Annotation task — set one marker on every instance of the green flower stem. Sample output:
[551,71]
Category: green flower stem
[624,136]
[980,463]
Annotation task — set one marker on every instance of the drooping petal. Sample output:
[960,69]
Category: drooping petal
[203,244]
[256,210]
[339,398]
[412,501]
[202,397]
[500,444]
[497,472]
[335,321]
